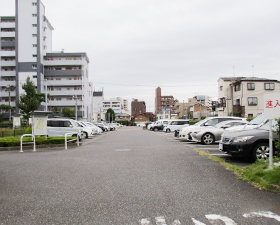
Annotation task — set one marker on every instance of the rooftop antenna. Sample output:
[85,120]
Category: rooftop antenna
[253,71]
[62,50]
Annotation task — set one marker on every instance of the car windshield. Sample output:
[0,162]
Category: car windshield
[201,122]
[219,125]
[76,124]
[257,120]
[266,125]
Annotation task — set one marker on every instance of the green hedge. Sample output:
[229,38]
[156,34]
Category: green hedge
[15,141]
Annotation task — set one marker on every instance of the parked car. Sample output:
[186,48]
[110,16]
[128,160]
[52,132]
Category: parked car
[253,143]
[209,121]
[158,125]
[254,123]
[95,128]
[87,130]
[58,127]
[175,124]
[209,135]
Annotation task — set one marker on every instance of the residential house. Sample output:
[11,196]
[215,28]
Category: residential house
[244,96]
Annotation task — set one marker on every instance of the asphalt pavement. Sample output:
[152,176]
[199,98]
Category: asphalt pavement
[130,176]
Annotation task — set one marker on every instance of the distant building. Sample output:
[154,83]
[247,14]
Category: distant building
[137,108]
[164,104]
[244,96]
[97,106]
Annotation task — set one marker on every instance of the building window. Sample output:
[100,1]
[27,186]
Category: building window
[221,88]
[34,66]
[35,56]
[250,86]
[250,115]
[34,15]
[252,101]
[269,86]
[34,45]
[34,35]
[34,25]
[237,87]
[34,3]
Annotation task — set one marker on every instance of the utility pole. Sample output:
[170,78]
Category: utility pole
[76,107]
[46,95]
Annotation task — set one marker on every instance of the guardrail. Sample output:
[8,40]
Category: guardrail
[71,140]
[34,143]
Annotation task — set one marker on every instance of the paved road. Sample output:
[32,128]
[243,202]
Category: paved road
[130,176]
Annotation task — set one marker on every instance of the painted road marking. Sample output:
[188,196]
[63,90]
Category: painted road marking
[122,150]
[160,220]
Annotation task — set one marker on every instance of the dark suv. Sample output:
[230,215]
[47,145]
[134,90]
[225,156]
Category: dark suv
[253,144]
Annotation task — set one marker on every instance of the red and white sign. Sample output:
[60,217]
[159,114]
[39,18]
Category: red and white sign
[272,106]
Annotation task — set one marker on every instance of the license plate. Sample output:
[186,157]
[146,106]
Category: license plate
[221,146]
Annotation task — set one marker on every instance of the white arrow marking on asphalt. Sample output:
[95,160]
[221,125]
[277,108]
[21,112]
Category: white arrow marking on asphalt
[226,220]
[160,220]
[196,222]
[145,222]
[266,214]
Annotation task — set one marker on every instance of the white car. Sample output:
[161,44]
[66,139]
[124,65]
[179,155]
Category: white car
[95,129]
[176,124]
[254,123]
[87,130]
[58,127]
[209,135]
[209,121]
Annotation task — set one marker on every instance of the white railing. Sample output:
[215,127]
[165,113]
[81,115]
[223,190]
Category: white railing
[66,141]
[34,143]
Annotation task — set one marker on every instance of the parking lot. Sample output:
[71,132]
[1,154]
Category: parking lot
[211,149]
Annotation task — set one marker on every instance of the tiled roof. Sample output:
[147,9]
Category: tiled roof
[247,79]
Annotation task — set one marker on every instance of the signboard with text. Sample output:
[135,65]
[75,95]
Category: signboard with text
[272,106]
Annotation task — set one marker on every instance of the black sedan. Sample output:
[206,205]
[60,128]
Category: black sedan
[253,144]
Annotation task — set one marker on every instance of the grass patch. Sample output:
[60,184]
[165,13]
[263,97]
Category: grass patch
[257,174]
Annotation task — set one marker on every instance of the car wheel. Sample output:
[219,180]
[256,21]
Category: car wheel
[261,151]
[155,129]
[86,134]
[167,130]
[207,139]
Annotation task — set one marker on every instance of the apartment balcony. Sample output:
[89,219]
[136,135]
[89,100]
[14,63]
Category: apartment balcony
[64,103]
[64,83]
[8,53]
[64,92]
[8,25]
[7,83]
[63,62]
[8,43]
[13,104]
[8,34]
[63,72]
[8,63]
[8,73]
[239,110]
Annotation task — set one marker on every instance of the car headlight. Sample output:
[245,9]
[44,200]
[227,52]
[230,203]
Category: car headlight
[242,139]
[196,132]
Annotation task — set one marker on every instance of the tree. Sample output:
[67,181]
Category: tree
[67,112]
[31,100]
[110,115]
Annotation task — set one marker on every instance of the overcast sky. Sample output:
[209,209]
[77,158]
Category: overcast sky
[183,46]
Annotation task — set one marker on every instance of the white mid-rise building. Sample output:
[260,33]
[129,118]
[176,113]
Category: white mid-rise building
[26,51]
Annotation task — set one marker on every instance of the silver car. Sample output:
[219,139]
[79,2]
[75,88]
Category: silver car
[209,135]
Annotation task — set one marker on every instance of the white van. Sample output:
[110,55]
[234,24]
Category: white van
[176,124]
[58,127]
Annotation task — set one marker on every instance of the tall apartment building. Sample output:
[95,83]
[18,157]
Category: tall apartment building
[137,108]
[244,96]
[164,104]
[26,51]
